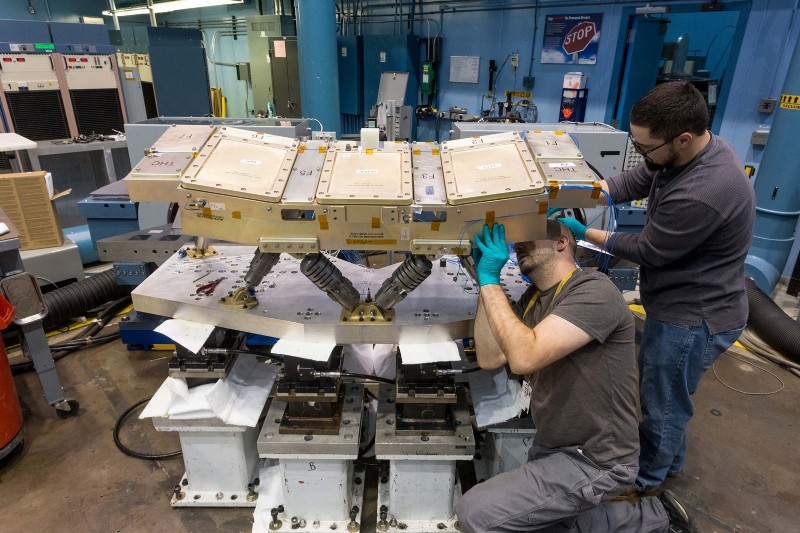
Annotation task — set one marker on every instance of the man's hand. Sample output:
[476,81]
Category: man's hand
[575,227]
[493,254]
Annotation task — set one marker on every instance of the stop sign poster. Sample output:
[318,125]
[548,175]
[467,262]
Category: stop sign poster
[571,38]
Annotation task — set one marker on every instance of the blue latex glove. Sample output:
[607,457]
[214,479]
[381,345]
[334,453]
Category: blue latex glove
[493,254]
[575,227]
[554,210]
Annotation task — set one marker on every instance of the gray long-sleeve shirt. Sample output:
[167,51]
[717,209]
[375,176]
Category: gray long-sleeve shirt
[692,248]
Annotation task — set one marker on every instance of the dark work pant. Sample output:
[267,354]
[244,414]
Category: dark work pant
[559,490]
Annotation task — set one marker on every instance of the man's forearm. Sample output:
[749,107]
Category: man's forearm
[487,350]
[512,336]
[597,237]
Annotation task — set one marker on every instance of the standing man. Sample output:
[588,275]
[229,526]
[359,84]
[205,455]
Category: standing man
[700,212]
[573,336]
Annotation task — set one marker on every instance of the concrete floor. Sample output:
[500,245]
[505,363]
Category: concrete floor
[741,475]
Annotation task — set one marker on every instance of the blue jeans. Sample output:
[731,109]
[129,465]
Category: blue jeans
[672,359]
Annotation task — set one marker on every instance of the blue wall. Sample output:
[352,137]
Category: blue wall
[52,10]
[768,36]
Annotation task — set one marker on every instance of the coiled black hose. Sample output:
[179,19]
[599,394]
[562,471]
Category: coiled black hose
[83,339]
[769,321]
[75,299]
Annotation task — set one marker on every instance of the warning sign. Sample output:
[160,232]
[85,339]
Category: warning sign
[790,101]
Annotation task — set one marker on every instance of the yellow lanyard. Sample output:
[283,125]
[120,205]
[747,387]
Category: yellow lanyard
[561,284]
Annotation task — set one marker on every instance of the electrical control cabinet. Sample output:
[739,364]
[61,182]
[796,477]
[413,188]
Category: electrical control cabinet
[285,77]
[177,61]
[260,31]
[32,99]
[94,92]
[351,74]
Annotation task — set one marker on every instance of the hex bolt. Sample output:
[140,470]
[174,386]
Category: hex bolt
[252,495]
[295,523]
[353,525]
[177,492]
[275,524]
[383,525]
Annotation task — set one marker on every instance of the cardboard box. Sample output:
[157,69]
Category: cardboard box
[574,80]
[28,202]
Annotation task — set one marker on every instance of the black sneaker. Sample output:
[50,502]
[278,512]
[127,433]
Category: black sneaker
[679,519]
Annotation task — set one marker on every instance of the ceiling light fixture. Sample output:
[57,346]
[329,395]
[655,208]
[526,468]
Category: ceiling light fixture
[652,10]
[172,5]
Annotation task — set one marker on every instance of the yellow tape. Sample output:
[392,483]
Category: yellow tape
[206,212]
[301,149]
[163,347]
[598,190]
[323,222]
[543,208]
[490,218]
[376,222]
[519,94]
[435,225]
[553,189]
[417,151]
[435,152]
[369,151]
[323,149]
[237,215]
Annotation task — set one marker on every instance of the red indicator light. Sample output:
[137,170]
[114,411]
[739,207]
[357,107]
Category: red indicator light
[84,60]
[21,59]
[72,59]
[7,59]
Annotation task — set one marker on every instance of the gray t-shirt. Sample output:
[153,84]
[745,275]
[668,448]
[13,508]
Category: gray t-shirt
[590,397]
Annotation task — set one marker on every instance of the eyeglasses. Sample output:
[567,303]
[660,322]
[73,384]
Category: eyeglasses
[645,153]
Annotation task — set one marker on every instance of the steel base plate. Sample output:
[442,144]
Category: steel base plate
[390,444]
[343,445]
[441,309]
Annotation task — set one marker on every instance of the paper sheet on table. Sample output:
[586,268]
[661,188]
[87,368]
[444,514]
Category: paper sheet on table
[495,397]
[373,359]
[315,351]
[413,354]
[190,335]
[240,398]
[237,399]
[270,494]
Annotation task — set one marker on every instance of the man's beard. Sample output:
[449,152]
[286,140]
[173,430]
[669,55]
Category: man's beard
[668,163]
[536,259]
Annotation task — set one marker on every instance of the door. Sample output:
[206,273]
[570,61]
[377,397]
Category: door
[642,59]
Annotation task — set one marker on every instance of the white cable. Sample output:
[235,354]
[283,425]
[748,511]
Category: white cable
[318,122]
[713,368]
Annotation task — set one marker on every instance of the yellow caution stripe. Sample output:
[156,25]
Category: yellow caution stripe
[790,101]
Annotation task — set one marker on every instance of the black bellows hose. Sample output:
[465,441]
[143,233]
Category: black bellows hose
[769,321]
[75,299]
